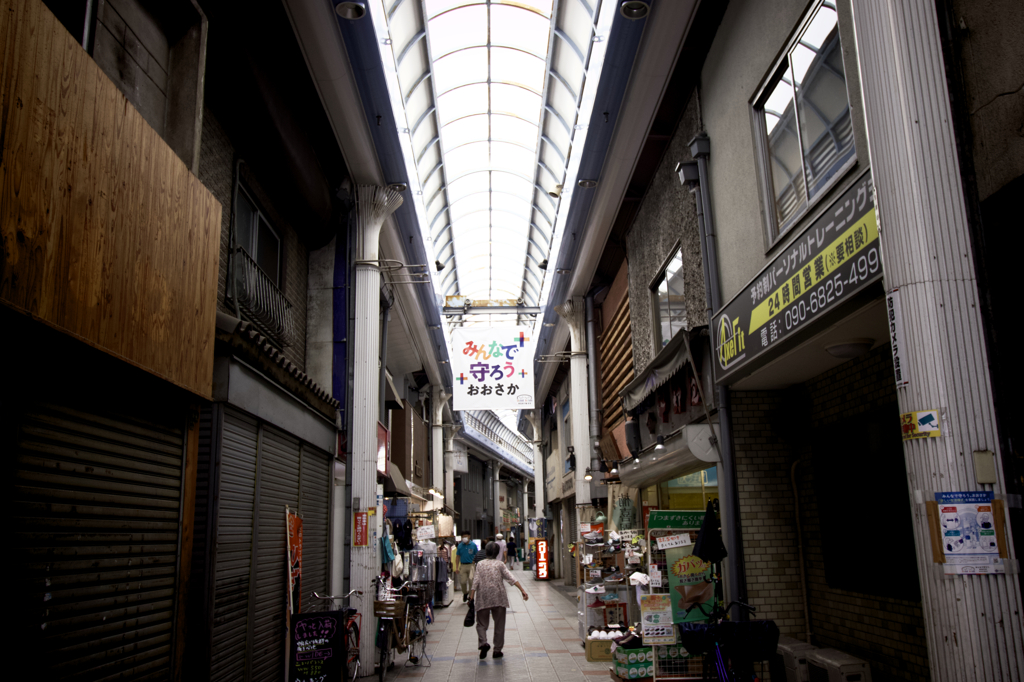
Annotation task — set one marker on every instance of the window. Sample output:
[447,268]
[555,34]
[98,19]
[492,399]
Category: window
[255,235]
[806,133]
[669,307]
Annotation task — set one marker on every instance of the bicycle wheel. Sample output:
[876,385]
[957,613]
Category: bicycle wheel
[384,644]
[352,642]
[418,636]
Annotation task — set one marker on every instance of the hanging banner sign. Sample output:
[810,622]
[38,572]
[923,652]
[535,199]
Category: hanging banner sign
[492,368]
[835,258]
[294,528]
[360,529]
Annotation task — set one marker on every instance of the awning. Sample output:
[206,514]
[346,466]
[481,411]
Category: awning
[669,361]
[689,450]
[394,483]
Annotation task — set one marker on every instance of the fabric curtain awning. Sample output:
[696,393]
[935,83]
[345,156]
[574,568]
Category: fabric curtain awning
[669,361]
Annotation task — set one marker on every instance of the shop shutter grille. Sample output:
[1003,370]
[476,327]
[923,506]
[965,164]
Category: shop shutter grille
[278,486]
[316,509]
[233,548]
[616,364]
[95,527]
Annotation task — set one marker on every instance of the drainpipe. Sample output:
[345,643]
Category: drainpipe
[736,583]
[387,299]
[595,404]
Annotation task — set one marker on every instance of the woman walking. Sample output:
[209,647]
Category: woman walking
[491,600]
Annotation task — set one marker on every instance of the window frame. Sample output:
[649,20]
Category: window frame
[259,214]
[655,282]
[774,234]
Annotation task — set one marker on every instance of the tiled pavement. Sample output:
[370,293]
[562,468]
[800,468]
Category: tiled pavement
[542,643]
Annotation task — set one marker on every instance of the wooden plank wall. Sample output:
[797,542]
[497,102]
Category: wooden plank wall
[106,235]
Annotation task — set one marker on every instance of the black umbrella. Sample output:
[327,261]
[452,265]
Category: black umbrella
[709,546]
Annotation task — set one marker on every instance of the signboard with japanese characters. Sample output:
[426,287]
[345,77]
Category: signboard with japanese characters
[969,537]
[836,257]
[894,315]
[492,368]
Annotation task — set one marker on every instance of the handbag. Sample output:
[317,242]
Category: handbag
[470,620]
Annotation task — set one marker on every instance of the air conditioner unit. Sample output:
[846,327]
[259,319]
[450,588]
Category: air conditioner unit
[793,653]
[832,665]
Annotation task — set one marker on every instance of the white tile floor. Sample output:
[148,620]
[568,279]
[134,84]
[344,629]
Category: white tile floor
[542,643]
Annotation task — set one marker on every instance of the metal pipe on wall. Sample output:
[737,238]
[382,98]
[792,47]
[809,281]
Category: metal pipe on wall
[595,403]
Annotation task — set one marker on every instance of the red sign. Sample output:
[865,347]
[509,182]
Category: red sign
[294,524]
[542,560]
[360,533]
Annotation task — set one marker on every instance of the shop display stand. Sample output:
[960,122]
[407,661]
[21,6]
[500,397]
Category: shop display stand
[671,662]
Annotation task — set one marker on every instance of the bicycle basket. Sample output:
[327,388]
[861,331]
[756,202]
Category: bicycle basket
[389,609]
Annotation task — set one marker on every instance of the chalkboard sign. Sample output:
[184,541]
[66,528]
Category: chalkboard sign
[317,648]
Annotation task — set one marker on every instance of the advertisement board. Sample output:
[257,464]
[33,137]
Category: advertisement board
[834,258]
[492,368]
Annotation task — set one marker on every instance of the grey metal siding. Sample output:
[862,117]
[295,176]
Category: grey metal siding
[315,505]
[96,519]
[233,547]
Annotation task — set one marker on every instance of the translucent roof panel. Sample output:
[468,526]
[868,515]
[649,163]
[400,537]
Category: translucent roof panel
[489,62]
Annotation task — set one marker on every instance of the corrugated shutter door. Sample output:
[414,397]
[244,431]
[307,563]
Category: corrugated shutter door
[316,505]
[279,486]
[233,553]
[96,513]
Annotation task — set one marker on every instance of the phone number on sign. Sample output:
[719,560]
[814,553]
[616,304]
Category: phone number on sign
[831,290]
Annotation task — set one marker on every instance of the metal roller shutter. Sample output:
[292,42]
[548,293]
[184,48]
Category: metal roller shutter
[233,548]
[96,518]
[315,507]
[278,486]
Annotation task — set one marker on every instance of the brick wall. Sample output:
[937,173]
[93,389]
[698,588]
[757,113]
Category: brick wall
[772,430]
[216,171]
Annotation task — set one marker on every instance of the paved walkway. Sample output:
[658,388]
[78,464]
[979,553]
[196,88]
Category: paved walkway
[542,643]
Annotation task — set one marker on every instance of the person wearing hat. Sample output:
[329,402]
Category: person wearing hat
[500,539]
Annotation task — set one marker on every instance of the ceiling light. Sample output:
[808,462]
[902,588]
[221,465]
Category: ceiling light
[660,447]
[556,192]
[614,469]
[351,10]
[549,324]
[850,349]
[439,265]
[398,186]
[587,184]
[563,271]
[543,265]
[634,9]
[588,476]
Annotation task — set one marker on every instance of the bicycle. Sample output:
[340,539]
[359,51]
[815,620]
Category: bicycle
[402,624]
[350,635]
[729,648]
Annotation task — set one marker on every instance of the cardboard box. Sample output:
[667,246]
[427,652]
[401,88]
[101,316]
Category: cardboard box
[634,664]
[599,650]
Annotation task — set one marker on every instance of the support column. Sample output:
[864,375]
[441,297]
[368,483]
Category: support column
[972,623]
[437,400]
[373,206]
[572,311]
[496,469]
[534,417]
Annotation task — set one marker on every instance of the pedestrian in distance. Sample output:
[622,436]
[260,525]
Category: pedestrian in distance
[491,600]
[481,555]
[500,539]
[510,552]
[466,552]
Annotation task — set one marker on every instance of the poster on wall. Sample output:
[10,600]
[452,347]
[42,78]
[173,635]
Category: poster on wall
[968,526]
[294,526]
[492,368]
[688,583]
[656,619]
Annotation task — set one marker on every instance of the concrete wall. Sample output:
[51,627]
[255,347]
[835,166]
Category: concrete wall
[667,216]
[749,42]
[774,429]
[216,171]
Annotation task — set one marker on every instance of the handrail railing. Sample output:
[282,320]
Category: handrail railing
[262,300]
[513,445]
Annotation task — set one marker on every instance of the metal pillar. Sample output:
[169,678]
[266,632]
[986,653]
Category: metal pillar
[972,623]
[534,417]
[495,472]
[572,311]
[437,482]
[373,206]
